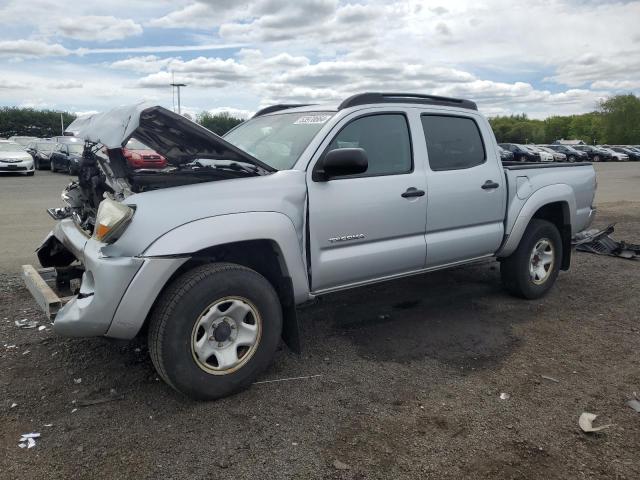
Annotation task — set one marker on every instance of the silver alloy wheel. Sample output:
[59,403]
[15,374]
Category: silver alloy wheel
[596,158]
[542,261]
[226,335]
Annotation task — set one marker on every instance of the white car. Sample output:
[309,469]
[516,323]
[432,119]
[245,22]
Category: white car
[14,158]
[617,156]
[544,155]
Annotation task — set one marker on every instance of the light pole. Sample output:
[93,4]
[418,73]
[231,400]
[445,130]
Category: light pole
[178,85]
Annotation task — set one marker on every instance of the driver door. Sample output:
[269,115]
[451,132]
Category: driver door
[372,225]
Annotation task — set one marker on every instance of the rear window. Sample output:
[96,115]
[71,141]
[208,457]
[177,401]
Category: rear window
[453,143]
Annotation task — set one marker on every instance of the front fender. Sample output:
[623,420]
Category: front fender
[551,194]
[223,229]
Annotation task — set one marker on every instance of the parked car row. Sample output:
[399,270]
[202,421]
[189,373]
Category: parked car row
[63,154]
[568,153]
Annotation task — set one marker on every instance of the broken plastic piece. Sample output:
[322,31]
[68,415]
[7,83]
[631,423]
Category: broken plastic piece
[546,377]
[504,396]
[635,404]
[586,423]
[600,242]
[26,323]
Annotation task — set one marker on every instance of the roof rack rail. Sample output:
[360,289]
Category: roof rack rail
[376,97]
[277,108]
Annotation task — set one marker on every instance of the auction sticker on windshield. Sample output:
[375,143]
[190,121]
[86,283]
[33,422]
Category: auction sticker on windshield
[312,119]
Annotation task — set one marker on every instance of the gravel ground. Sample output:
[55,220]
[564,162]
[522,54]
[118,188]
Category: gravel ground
[406,383]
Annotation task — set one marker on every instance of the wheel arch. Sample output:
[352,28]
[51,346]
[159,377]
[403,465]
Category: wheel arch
[554,203]
[266,242]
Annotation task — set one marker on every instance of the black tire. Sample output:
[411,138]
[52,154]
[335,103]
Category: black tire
[596,158]
[514,269]
[173,320]
[522,158]
[571,158]
[31,174]
[52,166]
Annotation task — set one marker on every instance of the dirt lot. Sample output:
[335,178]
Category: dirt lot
[409,377]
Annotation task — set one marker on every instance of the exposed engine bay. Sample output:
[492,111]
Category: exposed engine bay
[194,155]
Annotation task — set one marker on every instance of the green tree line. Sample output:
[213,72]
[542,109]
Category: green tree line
[615,122]
[31,122]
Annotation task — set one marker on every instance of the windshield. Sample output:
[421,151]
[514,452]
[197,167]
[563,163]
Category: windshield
[76,148]
[45,147]
[134,144]
[278,140]
[10,147]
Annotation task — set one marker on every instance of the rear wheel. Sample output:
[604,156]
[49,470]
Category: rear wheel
[596,158]
[214,330]
[532,269]
[571,158]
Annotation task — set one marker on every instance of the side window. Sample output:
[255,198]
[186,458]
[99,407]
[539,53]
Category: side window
[385,138]
[453,143]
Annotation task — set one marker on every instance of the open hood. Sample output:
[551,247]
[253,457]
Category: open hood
[175,137]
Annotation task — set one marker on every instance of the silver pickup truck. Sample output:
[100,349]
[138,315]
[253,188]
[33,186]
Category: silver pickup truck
[210,256]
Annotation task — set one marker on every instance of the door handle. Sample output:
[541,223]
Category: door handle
[412,192]
[489,184]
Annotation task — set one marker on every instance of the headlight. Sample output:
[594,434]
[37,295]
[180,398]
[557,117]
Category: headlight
[111,220]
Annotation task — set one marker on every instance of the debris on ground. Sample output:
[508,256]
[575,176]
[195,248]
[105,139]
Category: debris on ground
[14,404]
[546,377]
[287,379]
[601,243]
[77,381]
[504,396]
[586,423]
[338,465]
[635,404]
[98,401]
[27,440]
[26,323]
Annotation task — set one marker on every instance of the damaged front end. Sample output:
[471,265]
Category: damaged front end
[80,284]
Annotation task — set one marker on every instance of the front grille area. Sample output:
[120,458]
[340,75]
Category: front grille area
[11,168]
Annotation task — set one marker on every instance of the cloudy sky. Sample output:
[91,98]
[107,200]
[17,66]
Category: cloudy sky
[535,56]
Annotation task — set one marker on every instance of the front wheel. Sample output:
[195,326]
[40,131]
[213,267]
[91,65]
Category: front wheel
[532,269]
[596,158]
[214,329]
[571,158]
[52,166]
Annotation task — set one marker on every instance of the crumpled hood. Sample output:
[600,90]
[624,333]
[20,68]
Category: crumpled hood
[173,136]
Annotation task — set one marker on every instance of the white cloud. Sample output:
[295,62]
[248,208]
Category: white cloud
[31,48]
[562,59]
[95,28]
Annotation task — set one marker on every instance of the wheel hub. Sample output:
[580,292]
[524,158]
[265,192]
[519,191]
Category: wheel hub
[542,261]
[226,335]
[222,331]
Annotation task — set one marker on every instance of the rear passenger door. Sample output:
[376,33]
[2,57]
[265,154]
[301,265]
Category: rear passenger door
[465,188]
[371,225]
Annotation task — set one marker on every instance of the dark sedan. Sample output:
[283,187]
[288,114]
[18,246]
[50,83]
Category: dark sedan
[520,152]
[505,155]
[595,154]
[66,157]
[41,151]
[572,154]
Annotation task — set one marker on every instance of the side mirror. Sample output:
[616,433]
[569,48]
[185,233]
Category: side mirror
[340,162]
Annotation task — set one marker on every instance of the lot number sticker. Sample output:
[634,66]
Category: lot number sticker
[312,119]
